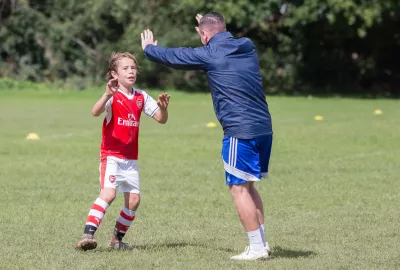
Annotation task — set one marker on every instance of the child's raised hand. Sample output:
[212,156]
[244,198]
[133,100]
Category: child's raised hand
[163,101]
[112,87]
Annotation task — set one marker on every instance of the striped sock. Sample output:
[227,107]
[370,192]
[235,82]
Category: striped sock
[123,222]
[95,216]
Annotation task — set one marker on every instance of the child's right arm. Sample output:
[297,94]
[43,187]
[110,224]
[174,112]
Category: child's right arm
[111,89]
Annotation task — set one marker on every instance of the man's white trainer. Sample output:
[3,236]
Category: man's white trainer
[250,255]
[268,249]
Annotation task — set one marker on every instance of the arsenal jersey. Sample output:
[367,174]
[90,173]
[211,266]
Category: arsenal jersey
[120,133]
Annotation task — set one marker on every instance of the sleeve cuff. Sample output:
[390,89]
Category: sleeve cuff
[154,112]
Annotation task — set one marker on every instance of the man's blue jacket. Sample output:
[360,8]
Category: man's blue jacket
[233,73]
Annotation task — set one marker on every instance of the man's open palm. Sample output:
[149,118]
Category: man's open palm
[198,18]
[147,38]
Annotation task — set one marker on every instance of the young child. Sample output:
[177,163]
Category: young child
[119,146]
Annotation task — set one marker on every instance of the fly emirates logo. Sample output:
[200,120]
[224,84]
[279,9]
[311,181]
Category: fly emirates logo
[130,122]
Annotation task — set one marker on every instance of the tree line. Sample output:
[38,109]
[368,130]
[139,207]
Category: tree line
[304,46]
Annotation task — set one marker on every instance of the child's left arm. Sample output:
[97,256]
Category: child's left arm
[161,115]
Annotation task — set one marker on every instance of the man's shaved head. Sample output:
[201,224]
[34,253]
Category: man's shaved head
[213,21]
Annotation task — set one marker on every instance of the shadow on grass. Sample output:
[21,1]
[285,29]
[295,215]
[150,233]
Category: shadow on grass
[279,252]
[161,246]
[178,245]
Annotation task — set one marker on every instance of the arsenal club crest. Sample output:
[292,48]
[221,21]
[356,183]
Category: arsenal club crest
[139,103]
[112,178]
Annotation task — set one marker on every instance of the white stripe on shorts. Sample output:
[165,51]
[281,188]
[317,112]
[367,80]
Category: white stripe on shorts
[232,151]
[239,174]
[235,155]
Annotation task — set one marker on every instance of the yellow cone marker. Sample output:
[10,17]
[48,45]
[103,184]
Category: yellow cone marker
[211,124]
[318,118]
[378,112]
[32,136]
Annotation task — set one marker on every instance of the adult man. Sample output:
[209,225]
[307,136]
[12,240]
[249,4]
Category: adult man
[233,73]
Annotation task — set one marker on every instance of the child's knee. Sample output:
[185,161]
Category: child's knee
[133,202]
[107,195]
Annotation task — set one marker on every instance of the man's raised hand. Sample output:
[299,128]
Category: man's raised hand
[198,18]
[147,38]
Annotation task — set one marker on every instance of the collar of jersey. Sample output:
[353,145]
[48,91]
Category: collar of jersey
[128,96]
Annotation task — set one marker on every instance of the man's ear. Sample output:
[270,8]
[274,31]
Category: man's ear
[114,74]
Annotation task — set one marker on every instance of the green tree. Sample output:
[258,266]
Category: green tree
[326,46]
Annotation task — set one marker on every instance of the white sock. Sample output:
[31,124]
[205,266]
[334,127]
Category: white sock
[256,242]
[263,236]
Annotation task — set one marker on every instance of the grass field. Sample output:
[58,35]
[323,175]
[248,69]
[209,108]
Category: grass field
[332,200]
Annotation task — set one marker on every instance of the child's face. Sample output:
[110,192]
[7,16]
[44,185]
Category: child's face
[126,72]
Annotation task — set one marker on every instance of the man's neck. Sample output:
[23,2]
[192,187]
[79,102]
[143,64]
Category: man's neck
[214,34]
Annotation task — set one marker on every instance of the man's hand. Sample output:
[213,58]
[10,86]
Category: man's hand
[147,38]
[163,101]
[112,87]
[198,18]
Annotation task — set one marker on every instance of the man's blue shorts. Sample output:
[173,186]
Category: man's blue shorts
[246,160]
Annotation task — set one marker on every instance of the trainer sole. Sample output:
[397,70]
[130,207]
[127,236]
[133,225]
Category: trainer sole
[86,244]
